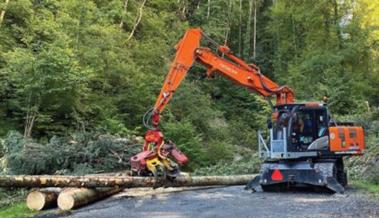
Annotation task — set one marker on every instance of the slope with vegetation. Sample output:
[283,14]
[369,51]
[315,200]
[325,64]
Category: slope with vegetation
[88,68]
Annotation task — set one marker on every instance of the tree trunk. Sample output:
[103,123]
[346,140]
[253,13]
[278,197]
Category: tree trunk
[119,181]
[138,21]
[209,9]
[125,9]
[72,198]
[255,29]
[227,32]
[42,199]
[2,14]
[31,115]
[29,123]
[247,48]
[336,23]
[240,31]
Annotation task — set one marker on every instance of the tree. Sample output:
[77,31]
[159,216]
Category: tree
[318,45]
[47,87]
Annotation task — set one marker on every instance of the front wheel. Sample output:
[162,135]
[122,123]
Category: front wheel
[341,174]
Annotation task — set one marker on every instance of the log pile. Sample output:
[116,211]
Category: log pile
[82,190]
[119,181]
[66,199]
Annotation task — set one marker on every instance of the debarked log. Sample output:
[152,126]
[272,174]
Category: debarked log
[72,198]
[120,181]
[42,199]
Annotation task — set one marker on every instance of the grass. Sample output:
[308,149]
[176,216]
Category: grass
[16,210]
[367,187]
[12,204]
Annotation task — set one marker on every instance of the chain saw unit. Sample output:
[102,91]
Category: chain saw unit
[305,145]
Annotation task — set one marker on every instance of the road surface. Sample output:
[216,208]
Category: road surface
[230,202]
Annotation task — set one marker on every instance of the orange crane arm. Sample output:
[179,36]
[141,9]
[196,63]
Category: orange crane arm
[235,69]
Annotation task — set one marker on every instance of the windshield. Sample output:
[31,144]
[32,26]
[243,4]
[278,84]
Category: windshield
[301,126]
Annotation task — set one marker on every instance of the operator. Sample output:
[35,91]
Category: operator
[307,123]
[298,127]
[283,122]
[300,123]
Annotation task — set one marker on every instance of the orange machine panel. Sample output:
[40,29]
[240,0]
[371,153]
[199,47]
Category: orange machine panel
[346,139]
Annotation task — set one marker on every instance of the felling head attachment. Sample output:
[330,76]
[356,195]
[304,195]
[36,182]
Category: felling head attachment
[171,150]
[156,156]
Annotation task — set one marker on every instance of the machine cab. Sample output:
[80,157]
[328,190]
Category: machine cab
[305,130]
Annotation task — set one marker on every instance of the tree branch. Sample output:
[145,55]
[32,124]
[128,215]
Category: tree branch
[2,14]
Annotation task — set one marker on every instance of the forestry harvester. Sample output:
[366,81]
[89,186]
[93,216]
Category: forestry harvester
[305,146]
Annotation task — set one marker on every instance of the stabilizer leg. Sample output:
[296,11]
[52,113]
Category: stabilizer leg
[332,184]
[254,184]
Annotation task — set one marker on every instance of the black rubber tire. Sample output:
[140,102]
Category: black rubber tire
[269,188]
[341,173]
[274,188]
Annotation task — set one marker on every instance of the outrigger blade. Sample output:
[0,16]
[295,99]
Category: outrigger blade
[254,184]
[332,184]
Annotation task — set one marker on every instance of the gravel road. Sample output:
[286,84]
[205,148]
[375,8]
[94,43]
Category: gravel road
[230,202]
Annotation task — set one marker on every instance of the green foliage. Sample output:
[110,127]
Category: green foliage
[48,86]
[219,151]
[11,197]
[249,164]
[87,66]
[367,187]
[188,140]
[321,50]
[78,154]
[18,210]
[366,167]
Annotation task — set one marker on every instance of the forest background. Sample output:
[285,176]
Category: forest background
[77,76]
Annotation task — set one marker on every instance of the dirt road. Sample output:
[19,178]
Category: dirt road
[231,202]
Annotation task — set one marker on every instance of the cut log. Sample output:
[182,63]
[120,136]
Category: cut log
[72,198]
[119,181]
[42,199]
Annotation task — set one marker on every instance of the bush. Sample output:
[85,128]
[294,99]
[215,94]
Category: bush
[366,167]
[243,135]
[219,151]
[184,135]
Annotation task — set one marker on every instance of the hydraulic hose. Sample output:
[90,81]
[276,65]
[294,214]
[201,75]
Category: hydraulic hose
[146,120]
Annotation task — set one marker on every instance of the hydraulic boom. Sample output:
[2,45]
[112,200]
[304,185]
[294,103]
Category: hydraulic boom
[155,151]
[188,51]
